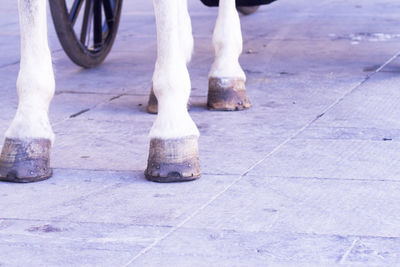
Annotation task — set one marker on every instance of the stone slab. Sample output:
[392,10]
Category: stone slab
[63,243]
[199,247]
[341,159]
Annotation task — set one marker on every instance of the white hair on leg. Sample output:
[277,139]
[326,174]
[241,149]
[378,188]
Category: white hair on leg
[25,156]
[227,41]
[185,43]
[171,81]
[226,81]
[185,30]
[35,83]
[173,155]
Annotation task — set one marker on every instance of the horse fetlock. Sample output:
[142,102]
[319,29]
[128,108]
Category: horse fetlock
[152,103]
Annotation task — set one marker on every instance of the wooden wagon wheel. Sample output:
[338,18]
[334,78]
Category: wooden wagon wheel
[86,28]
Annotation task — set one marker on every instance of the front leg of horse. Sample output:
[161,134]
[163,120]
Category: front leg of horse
[186,45]
[226,85]
[173,155]
[26,150]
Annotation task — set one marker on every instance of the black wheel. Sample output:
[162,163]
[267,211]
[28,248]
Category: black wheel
[86,28]
[247,10]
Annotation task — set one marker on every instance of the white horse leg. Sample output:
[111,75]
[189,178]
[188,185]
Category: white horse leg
[173,147]
[185,30]
[25,154]
[226,86]
[186,42]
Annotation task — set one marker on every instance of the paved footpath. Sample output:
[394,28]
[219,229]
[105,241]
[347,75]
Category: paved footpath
[309,176]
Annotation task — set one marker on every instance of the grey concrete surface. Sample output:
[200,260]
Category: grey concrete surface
[309,176]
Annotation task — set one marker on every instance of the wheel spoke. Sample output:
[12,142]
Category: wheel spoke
[97,24]
[108,11]
[73,14]
[85,21]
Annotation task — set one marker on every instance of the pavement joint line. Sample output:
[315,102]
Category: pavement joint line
[94,192]
[98,104]
[204,228]
[350,140]
[333,179]
[97,170]
[346,254]
[85,222]
[86,110]
[133,171]
[60,245]
[79,113]
[235,181]
[9,64]
[355,128]
[386,63]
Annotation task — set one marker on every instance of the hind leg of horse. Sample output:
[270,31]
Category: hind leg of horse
[186,42]
[26,149]
[173,155]
[226,84]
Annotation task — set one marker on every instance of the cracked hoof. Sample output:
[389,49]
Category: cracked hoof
[24,161]
[227,94]
[152,105]
[173,160]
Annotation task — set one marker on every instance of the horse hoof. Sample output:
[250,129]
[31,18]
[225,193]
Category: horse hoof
[173,160]
[227,94]
[152,105]
[24,161]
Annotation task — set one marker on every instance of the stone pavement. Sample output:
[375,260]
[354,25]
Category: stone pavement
[309,176]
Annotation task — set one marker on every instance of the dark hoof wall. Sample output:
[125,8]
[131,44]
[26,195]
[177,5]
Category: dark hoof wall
[175,160]
[152,105]
[173,172]
[227,94]
[25,161]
